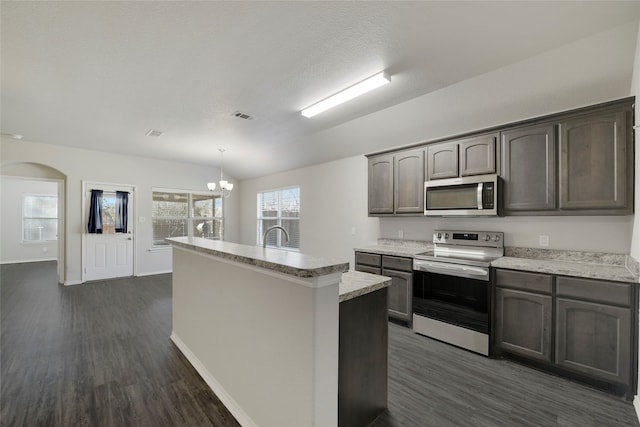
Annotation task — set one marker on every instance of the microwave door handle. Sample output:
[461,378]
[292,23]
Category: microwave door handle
[479,195]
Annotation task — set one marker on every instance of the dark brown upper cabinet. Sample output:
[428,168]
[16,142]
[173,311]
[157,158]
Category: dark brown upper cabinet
[381,184]
[594,152]
[442,160]
[475,155]
[409,181]
[529,168]
[396,183]
[478,155]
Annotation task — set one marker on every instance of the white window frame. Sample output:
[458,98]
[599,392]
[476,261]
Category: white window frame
[38,242]
[279,218]
[190,218]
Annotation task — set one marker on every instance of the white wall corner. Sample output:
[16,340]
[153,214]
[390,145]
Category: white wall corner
[635,91]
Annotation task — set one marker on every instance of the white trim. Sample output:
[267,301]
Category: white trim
[73,283]
[636,405]
[226,399]
[27,260]
[310,282]
[159,248]
[154,273]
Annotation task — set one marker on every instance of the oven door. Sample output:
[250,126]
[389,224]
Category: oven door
[456,300]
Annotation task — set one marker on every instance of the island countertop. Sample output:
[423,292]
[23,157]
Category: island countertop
[357,283]
[282,261]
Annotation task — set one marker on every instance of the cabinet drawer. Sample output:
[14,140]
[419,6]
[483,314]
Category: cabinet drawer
[397,263]
[368,259]
[594,290]
[368,269]
[541,283]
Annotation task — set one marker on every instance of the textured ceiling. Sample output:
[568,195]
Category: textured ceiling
[99,75]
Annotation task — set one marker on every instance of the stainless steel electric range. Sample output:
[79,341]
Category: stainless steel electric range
[451,292]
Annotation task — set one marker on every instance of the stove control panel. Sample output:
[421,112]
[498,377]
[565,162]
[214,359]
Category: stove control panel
[493,239]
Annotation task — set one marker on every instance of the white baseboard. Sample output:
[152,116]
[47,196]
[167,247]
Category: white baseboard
[213,384]
[73,282]
[154,273]
[636,405]
[27,260]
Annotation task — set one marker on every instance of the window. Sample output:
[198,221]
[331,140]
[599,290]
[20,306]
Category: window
[39,218]
[280,207]
[176,214]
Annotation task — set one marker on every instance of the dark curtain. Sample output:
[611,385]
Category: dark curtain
[122,211]
[95,213]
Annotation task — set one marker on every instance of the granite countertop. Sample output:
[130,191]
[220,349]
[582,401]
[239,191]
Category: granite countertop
[286,262]
[592,265]
[356,283]
[406,248]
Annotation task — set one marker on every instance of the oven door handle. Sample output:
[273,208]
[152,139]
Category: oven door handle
[451,269]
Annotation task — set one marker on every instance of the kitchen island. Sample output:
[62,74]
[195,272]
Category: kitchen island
[263,328]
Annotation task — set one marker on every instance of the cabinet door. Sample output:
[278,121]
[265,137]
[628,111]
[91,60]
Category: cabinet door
[529,168]
[593,162]
[523,323]
[478,155]
[409,181]
[399,294]
[594,339]
[442,160]
[381,184]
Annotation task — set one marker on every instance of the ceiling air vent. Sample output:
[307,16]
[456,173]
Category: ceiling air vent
[241,115]
[154,132]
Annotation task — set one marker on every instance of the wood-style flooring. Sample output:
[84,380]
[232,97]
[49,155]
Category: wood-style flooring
[99,354]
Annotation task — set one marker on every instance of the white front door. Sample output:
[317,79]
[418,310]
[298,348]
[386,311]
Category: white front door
[110,254]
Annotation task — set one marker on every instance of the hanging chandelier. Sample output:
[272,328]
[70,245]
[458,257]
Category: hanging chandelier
[224,185]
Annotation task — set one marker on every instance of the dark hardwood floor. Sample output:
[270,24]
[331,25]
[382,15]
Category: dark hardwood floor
[99,354]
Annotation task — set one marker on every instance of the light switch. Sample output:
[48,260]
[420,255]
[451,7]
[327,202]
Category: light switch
[401,234]
[353,231]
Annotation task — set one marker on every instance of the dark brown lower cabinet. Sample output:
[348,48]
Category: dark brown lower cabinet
[523,323]
[581,328]
[400,270]
[400,294]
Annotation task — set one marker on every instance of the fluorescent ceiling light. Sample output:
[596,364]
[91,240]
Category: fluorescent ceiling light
[358,89]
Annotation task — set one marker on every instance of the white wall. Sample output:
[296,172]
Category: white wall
[593,70]
[635,90]
[13,248]
[333,202]
[144,173]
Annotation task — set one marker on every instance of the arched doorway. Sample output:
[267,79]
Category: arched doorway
[41,172]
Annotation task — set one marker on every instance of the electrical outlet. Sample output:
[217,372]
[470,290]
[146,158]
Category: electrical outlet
[401,234]
[353,231]
[141,219]
[543,240]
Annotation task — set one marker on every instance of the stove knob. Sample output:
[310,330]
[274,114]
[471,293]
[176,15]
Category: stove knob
[497,238]
[487,237]
[446,235]
[439,235]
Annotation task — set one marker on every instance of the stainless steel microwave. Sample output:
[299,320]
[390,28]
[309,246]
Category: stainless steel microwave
[466,196]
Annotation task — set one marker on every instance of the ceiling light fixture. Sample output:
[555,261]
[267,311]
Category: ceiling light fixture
[225,186]
[358,89]
[13,135]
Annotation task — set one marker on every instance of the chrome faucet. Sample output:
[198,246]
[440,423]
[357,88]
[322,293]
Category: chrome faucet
[273,227]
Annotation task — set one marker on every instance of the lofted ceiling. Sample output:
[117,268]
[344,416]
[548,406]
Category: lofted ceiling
[100,75]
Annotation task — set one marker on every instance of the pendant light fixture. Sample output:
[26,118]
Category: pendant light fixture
[225,186]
